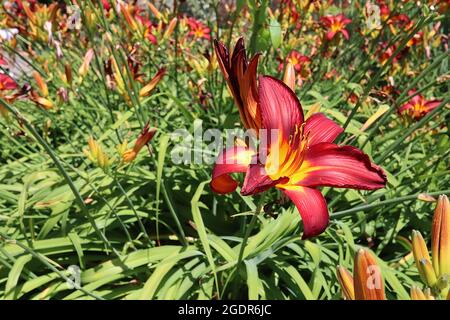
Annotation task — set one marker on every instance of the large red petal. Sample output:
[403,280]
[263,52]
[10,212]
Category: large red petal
[417,99]
[432,104]
[312,207]
[280,108]
[327,164]
[406,106]
[319,129]
[346,21]
[345,34]
[327,21]
[330,34]
[231,160]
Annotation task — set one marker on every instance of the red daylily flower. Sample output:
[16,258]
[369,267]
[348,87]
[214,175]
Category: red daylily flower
[136,21]
[416,39]
[302,158]
[106,5]
[336,24]
[384,10]
[198,29]
[402,21]
[290,10]
[298,60]
[418,106]
[241,79]
[20,5]
[148,28]
[7,83]
[299,63]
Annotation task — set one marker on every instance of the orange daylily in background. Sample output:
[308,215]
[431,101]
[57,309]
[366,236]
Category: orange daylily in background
[119,74]
[41,98]
[148,88]
[366,282]
[144,138]
[290,10]
[240,75]
[170,28]
[336,24]
[302,158]
[417,107]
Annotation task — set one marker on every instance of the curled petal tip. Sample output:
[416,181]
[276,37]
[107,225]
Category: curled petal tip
[231,160]
[312,208]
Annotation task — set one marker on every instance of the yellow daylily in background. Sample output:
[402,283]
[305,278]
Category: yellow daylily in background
[96,154]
